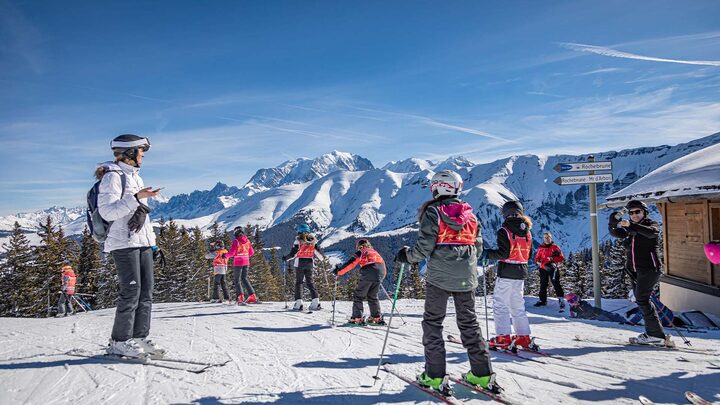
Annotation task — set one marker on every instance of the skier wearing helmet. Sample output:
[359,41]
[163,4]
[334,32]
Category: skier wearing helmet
[122,200]
[304,251]
[372,273]
[241,250]
[449,238]
[640,237]
[514,250]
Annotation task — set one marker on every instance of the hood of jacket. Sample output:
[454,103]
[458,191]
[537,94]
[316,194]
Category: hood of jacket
[455,213]
[517,226]
[242,239]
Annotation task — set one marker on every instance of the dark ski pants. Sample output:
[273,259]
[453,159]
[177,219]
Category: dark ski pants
[220,283]
[64,305]
[644,284]
[135,274]
[240,281]
[304,273]
[432,324]
[552,274]
[366,290]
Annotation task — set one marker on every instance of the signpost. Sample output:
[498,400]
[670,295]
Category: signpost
[591,179]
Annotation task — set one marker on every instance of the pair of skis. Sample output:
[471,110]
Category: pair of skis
[623,343]
[191,366]
[448,399]
[692,397]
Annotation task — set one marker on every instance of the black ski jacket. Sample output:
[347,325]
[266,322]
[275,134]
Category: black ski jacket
[641,242]
[519,227]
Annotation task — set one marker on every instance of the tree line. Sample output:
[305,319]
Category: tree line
[30,275]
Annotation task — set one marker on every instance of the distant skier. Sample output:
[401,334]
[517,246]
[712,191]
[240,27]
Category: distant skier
[514,250]
[131,241]
[449,238]
[640,237]
[304,251]
[241,250]
[67,291]
[372,273]
[547,259]
[220,259]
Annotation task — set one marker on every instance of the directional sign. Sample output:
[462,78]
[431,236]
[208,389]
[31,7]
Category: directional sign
[582,166]
[589,179]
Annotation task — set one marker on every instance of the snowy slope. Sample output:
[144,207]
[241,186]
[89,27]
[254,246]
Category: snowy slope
[286,357]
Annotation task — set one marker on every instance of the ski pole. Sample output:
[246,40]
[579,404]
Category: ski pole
[487,324]
[685,340]
[396,310]
[387,332]
[334,295]
[285,283]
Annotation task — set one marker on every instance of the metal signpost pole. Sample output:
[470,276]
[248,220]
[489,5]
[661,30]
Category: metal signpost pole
[597,293]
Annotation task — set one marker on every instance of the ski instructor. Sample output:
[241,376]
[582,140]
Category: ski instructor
[449,237]
[122,201]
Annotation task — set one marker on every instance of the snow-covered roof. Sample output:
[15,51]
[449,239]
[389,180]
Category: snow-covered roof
[696,175]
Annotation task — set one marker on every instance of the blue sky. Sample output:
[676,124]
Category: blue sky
[225,88]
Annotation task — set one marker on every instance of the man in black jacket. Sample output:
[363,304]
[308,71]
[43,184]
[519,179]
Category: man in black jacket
[640,237]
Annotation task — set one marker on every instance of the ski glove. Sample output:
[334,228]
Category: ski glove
[158,255]
[336,270]
[401,256]
[137,220]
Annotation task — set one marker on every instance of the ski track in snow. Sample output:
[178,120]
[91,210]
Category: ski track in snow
[279,356]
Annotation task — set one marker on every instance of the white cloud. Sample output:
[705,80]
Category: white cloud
[605,51]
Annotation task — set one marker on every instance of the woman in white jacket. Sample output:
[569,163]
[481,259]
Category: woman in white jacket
[122,201]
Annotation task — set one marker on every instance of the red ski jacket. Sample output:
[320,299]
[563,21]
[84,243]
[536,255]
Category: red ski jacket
[548,254]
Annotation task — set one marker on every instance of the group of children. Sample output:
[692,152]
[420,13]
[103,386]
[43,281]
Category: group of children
[449,239]
[240,251]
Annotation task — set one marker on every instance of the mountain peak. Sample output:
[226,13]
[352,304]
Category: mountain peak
[410,165]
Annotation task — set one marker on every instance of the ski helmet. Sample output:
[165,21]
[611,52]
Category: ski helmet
[303,228]
[361,243]
[712,251]
[511,208]
[637,204]
[128,144]
[446,183]
[571,298]
[238,231]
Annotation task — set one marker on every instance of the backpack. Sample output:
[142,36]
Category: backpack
[99,227]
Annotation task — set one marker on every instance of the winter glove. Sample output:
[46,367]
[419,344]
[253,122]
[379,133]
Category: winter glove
[615,218]
[158,255]
[401,256]
[555,253]
[137,221]
[285,258]
[336,270]
[224,256]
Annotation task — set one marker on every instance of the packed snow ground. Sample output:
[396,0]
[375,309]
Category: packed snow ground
[287,357]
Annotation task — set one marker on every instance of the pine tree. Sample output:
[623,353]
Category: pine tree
[261,275]
[616,283]
[199,281]
[579,275]
[89,267]
[170,280]
[44,280]
[323,281]
[18,263]
[108,285]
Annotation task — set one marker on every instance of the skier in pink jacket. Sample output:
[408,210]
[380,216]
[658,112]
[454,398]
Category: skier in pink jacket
[240,251]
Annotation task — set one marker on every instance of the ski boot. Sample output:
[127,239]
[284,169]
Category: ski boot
[561,302]
[252,299]
[499,342]
[376,320]
[298,306]
[241,299]
[523,341]
[315,304]
[485,382]
[540,304]
[440,385]
[151,348]
[356,321]
[644,339]
[128,348]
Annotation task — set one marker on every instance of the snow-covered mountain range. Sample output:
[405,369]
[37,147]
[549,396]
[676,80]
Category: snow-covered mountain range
[344,195]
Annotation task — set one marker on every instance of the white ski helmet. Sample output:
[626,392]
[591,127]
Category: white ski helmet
[128,145]
[446,182]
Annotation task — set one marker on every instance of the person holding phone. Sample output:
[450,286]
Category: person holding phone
[640,237]
[122,201]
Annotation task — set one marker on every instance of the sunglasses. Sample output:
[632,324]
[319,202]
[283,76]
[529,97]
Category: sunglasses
[635,212]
